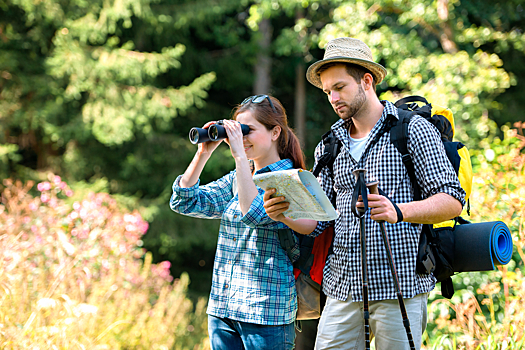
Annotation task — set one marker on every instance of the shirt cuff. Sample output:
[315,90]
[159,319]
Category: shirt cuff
[256,213]
[185,192]
[321,225]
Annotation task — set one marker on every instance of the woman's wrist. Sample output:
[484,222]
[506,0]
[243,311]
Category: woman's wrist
[202,154]
[241,159]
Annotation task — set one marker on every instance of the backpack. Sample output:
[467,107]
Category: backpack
[308,270]
[436,243]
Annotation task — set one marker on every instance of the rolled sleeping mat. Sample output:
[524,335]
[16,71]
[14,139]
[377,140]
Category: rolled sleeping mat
[481,246]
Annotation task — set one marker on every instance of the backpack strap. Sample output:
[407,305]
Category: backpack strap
[306,258]
[399,138]
[332,146]
[306,245]
[447,288]
[410,99]
[287,241]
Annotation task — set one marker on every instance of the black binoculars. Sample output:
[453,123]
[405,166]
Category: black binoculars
[215,132]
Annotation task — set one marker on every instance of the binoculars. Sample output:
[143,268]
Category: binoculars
[215,132]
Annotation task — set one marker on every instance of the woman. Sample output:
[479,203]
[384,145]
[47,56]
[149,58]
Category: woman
[252,302]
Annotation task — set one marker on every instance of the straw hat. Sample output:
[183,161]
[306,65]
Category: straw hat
[346,50]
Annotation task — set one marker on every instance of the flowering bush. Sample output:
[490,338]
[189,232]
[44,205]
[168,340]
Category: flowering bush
[490,312]
[72,276]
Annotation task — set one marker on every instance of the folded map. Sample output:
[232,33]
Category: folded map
[301,189]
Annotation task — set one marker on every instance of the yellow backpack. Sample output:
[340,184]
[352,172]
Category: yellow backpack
[465,166]
[436,242]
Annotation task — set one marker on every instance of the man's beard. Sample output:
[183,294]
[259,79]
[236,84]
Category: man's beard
[355,106]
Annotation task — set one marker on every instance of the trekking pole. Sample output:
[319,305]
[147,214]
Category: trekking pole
[372,187]
[360,189]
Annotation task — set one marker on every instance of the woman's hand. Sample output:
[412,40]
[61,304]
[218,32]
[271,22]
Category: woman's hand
[235,138]
[275,206]
[207,148]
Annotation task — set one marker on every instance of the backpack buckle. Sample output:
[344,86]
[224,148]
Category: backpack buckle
[428,264]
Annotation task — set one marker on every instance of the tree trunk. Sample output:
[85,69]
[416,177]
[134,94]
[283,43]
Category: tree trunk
[263,66]
[300,103]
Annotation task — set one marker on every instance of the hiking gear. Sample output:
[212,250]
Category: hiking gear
[360,190]
[372,188]
[482,246]
[346,50]
[436,243]
[308,269]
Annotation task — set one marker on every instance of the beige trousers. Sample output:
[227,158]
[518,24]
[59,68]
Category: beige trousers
[342,325]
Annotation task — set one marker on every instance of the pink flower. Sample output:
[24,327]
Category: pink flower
[44,198]
[165,265]
[44,186]
[57,180]
[144,226]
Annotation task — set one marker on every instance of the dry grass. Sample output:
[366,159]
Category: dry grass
[72,277]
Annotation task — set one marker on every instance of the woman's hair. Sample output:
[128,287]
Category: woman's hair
[288,144]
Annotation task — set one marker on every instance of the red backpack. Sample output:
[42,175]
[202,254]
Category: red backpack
[308,268]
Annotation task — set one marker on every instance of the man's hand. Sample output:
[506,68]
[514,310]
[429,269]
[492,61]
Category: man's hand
[381,208]
[275,207]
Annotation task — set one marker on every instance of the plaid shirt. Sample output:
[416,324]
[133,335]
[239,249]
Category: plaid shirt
[342,272]
[252,274]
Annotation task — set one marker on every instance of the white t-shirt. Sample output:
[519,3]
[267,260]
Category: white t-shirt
[357,147]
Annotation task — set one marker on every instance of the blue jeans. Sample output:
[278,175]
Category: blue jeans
[226,334]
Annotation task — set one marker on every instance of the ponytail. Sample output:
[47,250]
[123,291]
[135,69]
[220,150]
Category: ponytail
[290,147]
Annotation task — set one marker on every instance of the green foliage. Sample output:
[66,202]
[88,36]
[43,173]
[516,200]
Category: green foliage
[428,54]
[488,311]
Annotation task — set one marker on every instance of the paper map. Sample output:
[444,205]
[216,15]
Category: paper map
[300,188]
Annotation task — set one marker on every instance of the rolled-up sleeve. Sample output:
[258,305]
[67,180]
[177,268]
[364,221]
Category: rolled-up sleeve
[434,171]
[256,215]
[207,202]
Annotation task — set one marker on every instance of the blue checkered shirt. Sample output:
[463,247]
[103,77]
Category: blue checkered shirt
[252,274]
[342,272]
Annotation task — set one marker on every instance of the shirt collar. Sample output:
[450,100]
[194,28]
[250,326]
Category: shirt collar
[283,164]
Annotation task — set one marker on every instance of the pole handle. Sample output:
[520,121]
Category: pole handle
[373,187]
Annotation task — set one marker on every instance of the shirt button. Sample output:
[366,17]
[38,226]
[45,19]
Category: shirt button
[234,238]
[226,286]
[235,216]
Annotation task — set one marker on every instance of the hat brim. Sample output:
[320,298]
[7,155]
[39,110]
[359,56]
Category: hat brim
[377,70]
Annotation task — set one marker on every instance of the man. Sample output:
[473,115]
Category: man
[348,76]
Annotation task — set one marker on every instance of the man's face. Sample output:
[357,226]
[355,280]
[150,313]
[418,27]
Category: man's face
[346,96]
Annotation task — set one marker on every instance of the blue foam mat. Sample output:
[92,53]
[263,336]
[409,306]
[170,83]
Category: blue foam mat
[481,246]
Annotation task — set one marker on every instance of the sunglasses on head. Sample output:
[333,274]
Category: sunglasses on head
[258,99]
